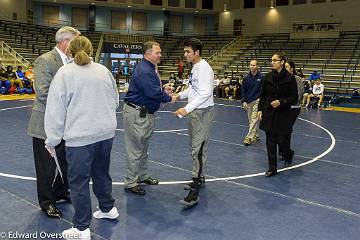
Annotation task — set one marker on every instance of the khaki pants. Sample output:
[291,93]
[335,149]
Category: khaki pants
[200,123]
[137,136]
[252,109]
[16,82]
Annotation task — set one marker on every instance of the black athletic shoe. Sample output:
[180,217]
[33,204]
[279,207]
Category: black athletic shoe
[196,183]
[191,199]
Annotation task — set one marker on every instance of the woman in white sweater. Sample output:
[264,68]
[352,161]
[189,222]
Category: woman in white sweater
[81,109]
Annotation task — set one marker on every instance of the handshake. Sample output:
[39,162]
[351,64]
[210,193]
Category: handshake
[170,91]
[181,112]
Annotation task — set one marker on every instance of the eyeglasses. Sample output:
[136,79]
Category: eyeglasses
[275,60]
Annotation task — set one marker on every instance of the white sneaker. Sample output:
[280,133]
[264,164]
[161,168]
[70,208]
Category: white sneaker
[74,233]
[112,214]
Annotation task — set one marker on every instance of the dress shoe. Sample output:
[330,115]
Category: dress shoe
[64,198]
[150,181]
[52,211]
[136,190]
[247,141]
[270,173]
[287,163]
[283,158]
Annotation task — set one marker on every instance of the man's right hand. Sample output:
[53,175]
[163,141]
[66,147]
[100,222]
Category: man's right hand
[259,115]
[245,105]
[175,97]
[51,150]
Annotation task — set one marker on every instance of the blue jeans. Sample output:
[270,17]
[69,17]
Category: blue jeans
[4,86]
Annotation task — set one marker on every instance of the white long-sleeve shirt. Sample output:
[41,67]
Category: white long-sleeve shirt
[201,85]
[318,89]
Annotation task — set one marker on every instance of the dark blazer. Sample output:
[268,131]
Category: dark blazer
[45,68]
[277,86]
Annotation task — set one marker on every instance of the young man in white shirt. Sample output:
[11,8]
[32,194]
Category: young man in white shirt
[317,91]
[200,109]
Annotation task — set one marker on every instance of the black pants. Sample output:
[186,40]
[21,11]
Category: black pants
[45,172]
[274,140]
[295,112]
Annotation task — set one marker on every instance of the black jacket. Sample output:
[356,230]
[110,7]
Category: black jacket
[277,86]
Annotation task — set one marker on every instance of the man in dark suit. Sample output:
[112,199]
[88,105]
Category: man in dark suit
[50,186]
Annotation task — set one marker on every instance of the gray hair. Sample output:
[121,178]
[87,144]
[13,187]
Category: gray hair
[148,46]
[66,33]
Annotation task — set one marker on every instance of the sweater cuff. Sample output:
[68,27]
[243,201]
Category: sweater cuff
[188,109]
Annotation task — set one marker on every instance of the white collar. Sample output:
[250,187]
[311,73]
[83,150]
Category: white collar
[64,58]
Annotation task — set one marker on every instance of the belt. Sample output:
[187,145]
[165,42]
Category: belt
[133,105]
[137,107]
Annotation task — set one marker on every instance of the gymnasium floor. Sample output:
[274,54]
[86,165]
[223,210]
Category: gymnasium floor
[317,199]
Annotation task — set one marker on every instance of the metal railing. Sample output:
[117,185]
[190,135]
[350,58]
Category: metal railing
[223,49]
[99,48]
[18,59]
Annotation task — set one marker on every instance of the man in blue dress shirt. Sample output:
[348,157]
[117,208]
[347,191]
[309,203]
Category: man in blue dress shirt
[142,100]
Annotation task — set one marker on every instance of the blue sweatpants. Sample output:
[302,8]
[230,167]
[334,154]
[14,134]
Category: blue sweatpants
[90,161]
[4,86]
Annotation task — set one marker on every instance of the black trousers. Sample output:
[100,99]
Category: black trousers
[295,112]
[273,141]
[45,172]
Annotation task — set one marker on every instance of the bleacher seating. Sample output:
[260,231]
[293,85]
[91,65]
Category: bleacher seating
[337,60]
[172,49]
[33,40]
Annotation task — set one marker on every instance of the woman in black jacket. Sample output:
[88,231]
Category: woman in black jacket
[278,93]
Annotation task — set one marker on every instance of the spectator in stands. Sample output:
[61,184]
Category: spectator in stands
[172,82]
[307,90]
[5,83]
[216,80]
[315,75]
[183,85]
[217,87]
[11,75]
[69,114]
[224,84]
[21,75]
[172,78]
[278,93]
[356,93]
[180,65]
[300,73]
[232,87]
[317,92]
[250,96]
[29,74]
[237,81]
[296,108]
